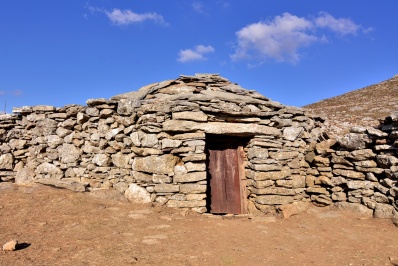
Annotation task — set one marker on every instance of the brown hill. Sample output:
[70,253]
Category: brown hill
[363,107]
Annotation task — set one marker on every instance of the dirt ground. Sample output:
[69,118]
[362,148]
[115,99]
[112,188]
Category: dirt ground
[60,227]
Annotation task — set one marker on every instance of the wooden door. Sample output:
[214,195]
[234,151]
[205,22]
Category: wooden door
[226,171]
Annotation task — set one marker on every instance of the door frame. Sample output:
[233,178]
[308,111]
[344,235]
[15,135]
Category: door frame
[241,143]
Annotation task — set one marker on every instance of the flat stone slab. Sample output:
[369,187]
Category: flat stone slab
[61,183]
[219,128]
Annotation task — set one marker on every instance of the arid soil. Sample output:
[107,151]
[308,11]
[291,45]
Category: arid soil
[60,227]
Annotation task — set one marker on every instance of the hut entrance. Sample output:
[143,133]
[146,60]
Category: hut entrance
[226,191]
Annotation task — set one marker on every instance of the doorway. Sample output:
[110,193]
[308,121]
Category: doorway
[226,191]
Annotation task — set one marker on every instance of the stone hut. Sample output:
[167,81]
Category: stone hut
[198,142]
[205,143]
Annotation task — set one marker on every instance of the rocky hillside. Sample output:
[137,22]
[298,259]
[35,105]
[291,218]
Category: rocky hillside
[364,107]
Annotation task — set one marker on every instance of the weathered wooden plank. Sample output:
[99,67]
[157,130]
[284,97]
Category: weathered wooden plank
[226,169]
[216,182]
[243,181]
[231,180]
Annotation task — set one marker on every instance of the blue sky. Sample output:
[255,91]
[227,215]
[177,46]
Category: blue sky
[295,52]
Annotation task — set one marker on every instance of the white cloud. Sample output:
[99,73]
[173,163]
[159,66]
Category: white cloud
[126,17]
[282,38]
[279,39]
[198,7]
[15,93]
[223,3]
[204,49]
[195,54]
[342,26]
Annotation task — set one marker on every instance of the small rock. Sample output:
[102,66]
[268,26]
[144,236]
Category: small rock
[134,260]
[154,239]
[160,227]
[136,216]
[293,209]
[394,261]
[395,221]
[151,241]
[10,246]
[167,218]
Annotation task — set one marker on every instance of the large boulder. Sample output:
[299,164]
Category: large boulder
[102,159]
[353,141]
[383,211]
[48,170]
[24,176]
[69,153]
[63,183]
[294,208]
[354,207]
[137,194]
[17,144]
[386,161]
[6,161]
[292,133]
[156,164]
[274,200]
[121,160]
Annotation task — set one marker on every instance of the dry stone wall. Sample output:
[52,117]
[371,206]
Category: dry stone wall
[151,146]
[357,171]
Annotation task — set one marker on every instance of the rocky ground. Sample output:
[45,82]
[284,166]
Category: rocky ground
[60,227]
[364,107]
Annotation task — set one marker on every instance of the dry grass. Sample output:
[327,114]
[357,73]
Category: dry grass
[364,107]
